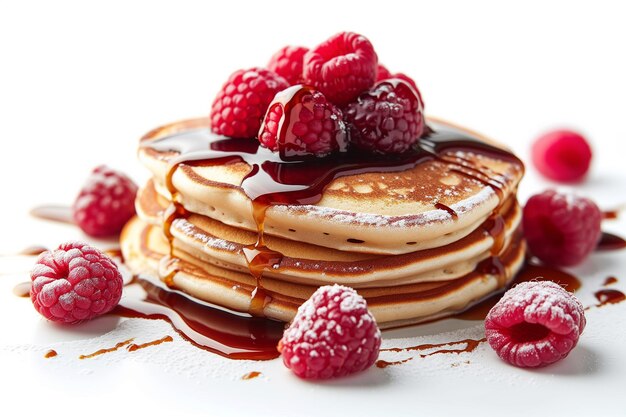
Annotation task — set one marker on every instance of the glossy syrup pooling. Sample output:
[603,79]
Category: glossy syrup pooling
[273,180]
[206,327]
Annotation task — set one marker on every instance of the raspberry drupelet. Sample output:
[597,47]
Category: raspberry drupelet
[332,335]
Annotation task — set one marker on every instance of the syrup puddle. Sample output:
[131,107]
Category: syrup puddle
[469,346]
[222,332]
[607,296]
[609,241]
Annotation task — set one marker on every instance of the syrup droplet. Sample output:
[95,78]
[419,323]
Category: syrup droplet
[470,346]
[251,375]
[133,347]
[56,213]
[22,289]
[609,241]
[610,215]
[106,350]
[608,296]
[610,281]
[50,354]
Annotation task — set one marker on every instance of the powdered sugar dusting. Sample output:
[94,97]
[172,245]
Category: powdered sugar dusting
[191,231]
[377,220]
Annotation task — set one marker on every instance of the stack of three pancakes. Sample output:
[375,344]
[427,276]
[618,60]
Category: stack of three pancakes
[420,236]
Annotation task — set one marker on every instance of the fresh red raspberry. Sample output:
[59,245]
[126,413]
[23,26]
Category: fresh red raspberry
[241,103]
[562,155]
[535,324]
[561,229]
[387,119]
[332,335]
[341,67]
[288,63]
[382,73]
[300,121]
[105,203]
[76,282]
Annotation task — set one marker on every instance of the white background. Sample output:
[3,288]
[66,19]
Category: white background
[80,82]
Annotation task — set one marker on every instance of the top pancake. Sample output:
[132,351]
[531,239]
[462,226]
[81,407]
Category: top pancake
[371,212]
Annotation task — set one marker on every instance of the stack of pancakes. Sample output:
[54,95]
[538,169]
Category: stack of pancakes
[418,243]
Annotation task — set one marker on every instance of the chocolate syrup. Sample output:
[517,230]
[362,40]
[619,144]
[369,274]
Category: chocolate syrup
[609,241]
[22,289]
[56,213]
[470,346]
[251,375]
[274,180]
[50,354]
[532,270]
[207,327]
[106,350]
[133,347]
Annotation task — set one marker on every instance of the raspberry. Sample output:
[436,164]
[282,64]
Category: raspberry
[387,119]
[332,335]
[382,73]
[76,282]
[241,103]
[105,203]
[300,121]
[535,324]
[561,229]
[288,63]
[562,155]
[341,67]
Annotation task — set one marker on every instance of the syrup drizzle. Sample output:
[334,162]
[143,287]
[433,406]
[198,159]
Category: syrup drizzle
[609,241]
[133,347]
[470,346]
[274,180]
[532,270]
[450,211]
[106,350]
[204,326]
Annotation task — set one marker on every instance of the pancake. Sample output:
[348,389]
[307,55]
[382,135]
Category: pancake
[219,244]
[402,204]
[420,235]
[144,248]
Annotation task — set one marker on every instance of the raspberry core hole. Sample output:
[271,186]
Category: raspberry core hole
[528,332]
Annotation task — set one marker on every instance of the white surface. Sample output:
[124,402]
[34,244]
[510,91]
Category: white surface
[79,83]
